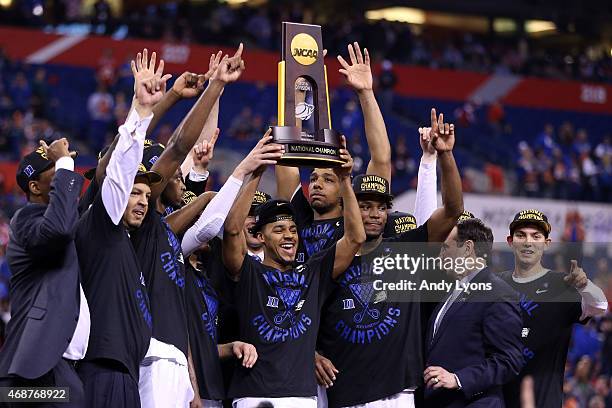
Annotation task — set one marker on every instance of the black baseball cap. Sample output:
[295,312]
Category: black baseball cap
[31,166]
[152,177]
[152,151]
[272,211]
[530,217]
[258,199]
[465,215]
[368,184]
[399,222]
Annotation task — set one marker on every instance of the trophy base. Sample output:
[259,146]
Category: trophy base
[308,153]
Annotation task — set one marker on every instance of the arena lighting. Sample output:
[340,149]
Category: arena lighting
[401,14]
[6,3]
[504,25]
[539,26]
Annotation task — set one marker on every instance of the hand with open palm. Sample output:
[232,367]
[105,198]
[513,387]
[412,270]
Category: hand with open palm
[358,74]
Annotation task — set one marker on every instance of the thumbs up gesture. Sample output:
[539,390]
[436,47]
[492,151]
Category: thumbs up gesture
[576,276]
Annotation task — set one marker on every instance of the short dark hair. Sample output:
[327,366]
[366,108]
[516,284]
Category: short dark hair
[475,230]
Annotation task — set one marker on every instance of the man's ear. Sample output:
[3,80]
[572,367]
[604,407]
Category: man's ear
[547,242]
[469,248]
[259,236]
[33,187]
[509,240]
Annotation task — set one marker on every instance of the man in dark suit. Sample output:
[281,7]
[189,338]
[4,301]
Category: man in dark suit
[474,336]
[49,328]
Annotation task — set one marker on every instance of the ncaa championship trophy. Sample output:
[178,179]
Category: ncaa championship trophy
[302,57]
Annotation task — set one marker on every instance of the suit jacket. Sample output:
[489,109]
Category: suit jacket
[479,340]
[44,282]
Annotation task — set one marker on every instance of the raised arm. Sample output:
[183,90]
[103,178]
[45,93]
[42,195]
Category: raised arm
[186,135]
[52,232]
[359,76]
[444,219]
[354,233]
[210,223]
[125,159]
[426,200]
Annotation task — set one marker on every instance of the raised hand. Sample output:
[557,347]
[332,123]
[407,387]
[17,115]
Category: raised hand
[230,68]
[215,60]
[358,74]
[149,84]
[424,139]
[345,170]
[189,85]
[576,276]
[263,154]
[202,153]
[57,149]
[442,135]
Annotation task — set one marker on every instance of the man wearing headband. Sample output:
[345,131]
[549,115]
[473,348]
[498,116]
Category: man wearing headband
[371,337]
[112,276]
[551,302]
[47,334]
[279,302]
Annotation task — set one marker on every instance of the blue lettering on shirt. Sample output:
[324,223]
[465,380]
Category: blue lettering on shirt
[316,237]
[527,304]
[171,261]
[141,297]
[363,321]
[209,317]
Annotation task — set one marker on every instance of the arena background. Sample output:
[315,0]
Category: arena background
[527,83]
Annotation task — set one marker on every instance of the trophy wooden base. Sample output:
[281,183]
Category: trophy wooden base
[323,151]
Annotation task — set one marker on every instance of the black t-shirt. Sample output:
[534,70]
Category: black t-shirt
[202,307]
[161,257]
[375,342]
[315,236]
[115,288]
[549,308]
[280,317]
[228,329]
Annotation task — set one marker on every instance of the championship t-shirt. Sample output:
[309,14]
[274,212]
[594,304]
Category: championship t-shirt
[373,338]
[160,255]
[549,308]
[280,317]
[315,236]
[202,307]
[114,285]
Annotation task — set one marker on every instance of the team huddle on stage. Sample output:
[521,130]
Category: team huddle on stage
[146,290]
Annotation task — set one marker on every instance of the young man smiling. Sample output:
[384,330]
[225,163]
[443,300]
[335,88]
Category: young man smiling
[551,302]
[278,302]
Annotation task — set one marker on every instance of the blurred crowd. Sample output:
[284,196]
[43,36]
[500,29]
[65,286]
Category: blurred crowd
[217,23]
[564,164]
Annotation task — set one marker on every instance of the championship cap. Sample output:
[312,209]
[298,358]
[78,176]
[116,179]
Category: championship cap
[272,211]
[367,184]
[258,199]
[151,176]
[152,151]
[465,215]
[399,222]
[31,166]
[530,217]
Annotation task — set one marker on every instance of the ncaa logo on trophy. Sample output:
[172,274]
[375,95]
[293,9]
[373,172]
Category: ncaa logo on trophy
[304,120]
